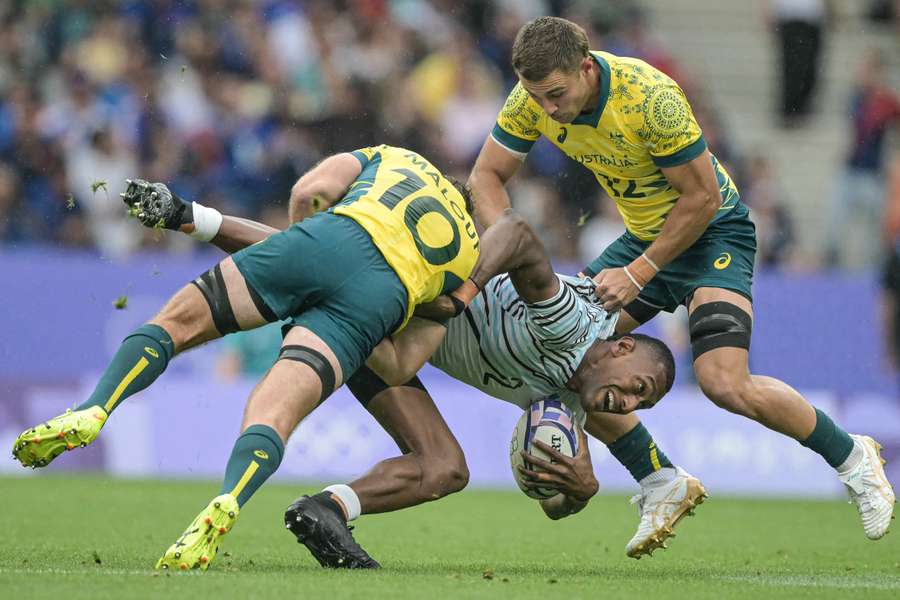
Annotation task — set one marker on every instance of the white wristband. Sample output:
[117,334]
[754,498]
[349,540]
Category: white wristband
[207,222]
[650,262]
[633,280]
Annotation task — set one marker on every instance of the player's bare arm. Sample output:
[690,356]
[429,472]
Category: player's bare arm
[236,233]
[690,216]
[323,185]
[398,358]
[494,166]
[157,206]
[515,248]
[154,205]
[509,245]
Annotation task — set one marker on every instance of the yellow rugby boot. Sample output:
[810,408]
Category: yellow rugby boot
[197,546]
[38,446]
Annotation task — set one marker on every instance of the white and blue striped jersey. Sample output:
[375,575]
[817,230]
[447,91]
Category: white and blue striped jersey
[521,352]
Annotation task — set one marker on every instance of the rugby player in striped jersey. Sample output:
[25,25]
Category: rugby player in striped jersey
[525,335]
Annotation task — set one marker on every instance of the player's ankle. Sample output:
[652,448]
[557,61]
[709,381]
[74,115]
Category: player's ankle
[852,460]
[345,499]
[659,477]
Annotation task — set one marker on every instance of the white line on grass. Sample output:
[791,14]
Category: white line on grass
[91,572]
[813,581]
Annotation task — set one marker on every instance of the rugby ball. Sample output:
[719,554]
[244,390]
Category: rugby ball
[550,421]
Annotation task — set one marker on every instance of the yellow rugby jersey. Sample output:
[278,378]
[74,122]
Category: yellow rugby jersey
[416,218]
[642,122]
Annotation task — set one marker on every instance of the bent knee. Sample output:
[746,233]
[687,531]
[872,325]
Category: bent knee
[444,478]
[734,395]
[186,319]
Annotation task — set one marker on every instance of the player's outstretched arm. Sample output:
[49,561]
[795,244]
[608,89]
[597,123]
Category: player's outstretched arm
[155,206]
[511,246]
[236,233]
[493,168]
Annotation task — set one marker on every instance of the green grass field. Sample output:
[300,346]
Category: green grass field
[99,538]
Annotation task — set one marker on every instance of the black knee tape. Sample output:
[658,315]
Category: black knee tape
[212,286]
[366,384]
[640,311]
[316,361]
[719,325]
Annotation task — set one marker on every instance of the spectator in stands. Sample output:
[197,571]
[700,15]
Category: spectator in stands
[230,101]
[800,28]
[890,277]
[769,210]
[858,189]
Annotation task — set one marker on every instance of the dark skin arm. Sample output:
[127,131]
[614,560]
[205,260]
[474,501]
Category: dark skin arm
[318,189]
[511,245]
[508,245]
[696,206]
[236,233]
[573,477]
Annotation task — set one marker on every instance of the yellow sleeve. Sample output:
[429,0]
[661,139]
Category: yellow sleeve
[666,123]
[364,155]
[516,127]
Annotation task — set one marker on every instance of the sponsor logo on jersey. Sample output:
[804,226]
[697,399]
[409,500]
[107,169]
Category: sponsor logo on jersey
[261,454]
[151,351]
[723,261]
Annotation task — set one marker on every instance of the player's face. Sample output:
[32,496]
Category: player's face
[623,384]
[563,96]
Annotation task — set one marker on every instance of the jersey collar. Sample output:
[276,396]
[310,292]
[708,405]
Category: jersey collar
[593,118]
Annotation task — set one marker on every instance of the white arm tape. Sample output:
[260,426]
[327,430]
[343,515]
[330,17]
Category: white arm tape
[207,222]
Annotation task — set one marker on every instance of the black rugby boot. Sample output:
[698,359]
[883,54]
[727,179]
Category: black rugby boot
[318,524]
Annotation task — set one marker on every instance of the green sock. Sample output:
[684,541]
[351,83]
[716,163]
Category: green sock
[638,453]
[829,440]
[256,455]
[141,358]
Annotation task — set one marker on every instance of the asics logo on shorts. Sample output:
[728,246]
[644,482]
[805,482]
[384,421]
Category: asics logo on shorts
[723,261]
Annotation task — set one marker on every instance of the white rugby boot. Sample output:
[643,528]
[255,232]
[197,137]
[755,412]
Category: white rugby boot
[870,489]
[661,507]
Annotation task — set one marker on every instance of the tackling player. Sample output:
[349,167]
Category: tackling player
[399,230]
[528,334]
[688,240]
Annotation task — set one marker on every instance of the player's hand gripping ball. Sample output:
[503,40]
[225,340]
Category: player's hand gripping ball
[551,422]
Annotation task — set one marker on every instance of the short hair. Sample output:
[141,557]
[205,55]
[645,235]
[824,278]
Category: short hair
[546,44]
[464,190]
[659,352]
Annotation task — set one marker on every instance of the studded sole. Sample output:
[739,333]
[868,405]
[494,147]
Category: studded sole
[694,496]
[40,445]
[200,542]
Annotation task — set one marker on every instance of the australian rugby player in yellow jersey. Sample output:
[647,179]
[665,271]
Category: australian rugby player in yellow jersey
[688,240]
[398,234]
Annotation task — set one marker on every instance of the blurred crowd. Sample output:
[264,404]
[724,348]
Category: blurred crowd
[229,101]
